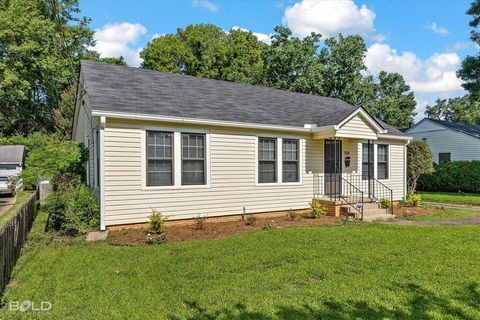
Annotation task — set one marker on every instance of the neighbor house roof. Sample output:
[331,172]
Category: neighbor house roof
[114,88]
[470,129]
[13,154]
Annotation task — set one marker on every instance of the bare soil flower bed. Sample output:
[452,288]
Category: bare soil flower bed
[401,211]
[211,230]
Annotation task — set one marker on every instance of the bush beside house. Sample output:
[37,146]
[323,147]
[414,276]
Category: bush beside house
[72,207]
[452,177]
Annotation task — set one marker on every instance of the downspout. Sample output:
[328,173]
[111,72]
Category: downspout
[405,170]
[102,173]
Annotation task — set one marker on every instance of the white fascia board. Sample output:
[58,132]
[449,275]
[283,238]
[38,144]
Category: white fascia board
[366,116]
[394,137]
[135,116]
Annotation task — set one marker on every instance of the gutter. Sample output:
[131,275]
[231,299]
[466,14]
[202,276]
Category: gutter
[138,116]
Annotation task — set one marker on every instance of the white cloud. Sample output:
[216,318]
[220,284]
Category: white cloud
[206,4]
[260,36]
[331,18]
[435,74]
[116,39]
[437,29]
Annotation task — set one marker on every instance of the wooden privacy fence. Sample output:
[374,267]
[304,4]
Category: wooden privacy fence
[13,235]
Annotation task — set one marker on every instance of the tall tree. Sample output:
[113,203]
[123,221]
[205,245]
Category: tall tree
[343,58]
[394,102]
[293,64]
[41,43]
[470,70]
[205,50]
[462,109]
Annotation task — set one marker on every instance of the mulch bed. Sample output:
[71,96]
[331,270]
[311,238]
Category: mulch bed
[211,230]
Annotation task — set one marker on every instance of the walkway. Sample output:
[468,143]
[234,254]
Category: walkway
[6,202]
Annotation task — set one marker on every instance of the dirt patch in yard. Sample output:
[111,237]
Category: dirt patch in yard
[401,211]
[211,230]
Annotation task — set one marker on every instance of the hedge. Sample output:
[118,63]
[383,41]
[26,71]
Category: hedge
[452,177]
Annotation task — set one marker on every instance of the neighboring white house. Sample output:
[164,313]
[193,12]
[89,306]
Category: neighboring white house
[188,146]
[12,160]
[448,141]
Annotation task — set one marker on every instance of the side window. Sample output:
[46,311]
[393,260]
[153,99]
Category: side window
[193,159]
[382,161]
[290,160]
[159,158]
[267,160]
[367,160]
[444,157]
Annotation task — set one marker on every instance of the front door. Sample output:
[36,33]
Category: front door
[333,167]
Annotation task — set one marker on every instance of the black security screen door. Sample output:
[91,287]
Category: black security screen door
[333,167]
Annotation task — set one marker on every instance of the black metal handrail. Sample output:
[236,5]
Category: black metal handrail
[353,196]
[374,188]
[381,191]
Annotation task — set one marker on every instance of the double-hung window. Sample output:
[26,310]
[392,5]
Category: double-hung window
[290,165]
[159,158]
[382,161]
[367,160]
[193,159]
[267,160]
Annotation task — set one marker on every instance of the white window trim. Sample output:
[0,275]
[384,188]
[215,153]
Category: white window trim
[375,159]
[389,163]
[177,158]
[279,159]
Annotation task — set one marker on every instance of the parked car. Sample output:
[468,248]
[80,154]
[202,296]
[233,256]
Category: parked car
[9,185]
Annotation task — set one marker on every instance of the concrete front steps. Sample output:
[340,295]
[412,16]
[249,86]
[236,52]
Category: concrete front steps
[372,212]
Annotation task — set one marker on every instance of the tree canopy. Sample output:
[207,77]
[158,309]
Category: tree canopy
[41,44]
[470,70]
[462,109]
[333,67]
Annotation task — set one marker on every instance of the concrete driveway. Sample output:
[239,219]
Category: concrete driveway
[6,202]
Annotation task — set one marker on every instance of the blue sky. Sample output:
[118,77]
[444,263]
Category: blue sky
[423,40]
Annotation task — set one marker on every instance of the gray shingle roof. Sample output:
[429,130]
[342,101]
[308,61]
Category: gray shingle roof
[132,90]
[12,154]
[470,129]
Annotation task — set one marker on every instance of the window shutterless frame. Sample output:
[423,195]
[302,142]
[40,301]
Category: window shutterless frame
[161,152]
[267,160]
[194,165]
[382,162]
[177,157]
[290,160]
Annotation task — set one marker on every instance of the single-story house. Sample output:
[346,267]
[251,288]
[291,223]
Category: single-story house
[189,146]
[449,141]
[12,160]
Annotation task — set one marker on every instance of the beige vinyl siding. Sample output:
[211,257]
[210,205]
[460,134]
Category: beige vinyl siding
[442,140]
[358,128]
[396,168]
[232,185]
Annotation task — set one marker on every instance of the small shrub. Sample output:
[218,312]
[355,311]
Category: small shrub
[199,222]
[413,200]
[156,238]
[291,215]
[248,218]
[385,203]
[316,209]
[156,222]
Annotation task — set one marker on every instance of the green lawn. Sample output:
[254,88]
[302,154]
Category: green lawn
[447,214]
[453,198]
[22,196]
[362,271]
